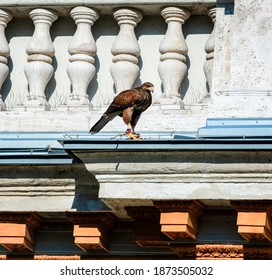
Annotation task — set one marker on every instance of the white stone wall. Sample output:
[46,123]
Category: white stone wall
[242,80]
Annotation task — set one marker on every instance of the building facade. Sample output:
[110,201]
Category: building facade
[197,186]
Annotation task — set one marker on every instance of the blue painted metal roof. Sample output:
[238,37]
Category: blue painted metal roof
[55,147]
[218,134]
[32,148]
[244,128]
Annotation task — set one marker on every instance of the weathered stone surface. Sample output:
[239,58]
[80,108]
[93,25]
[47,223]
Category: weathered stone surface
[214,177]
[48,188]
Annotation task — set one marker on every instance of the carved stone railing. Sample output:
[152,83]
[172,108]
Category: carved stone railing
[173,49]
[83,56]
[209,48]
[40,51]
[125,50]
[82,49]
[5,17]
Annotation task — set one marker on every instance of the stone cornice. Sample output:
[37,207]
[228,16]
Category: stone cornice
[258,252]
[217,165]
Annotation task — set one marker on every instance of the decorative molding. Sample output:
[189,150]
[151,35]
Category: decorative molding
[222,251]
[91,230]
[31,219]
[196,207]
[254,219]
[252,205]
[179,219]
[107,219]
[136,257]
[17,231]
[20,256]
[209,251]
[147,226]
[82,49]
[48,257]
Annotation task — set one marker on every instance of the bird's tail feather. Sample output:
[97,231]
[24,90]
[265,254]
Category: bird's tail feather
[102,122]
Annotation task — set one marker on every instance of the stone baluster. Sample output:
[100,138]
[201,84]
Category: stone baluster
[82,49]
[40,50]
[5,17]
[172,68]
[125,50]
[209,48]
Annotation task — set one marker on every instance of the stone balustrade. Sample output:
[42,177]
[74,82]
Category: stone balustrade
[173,49]
[125,50]
[209,48]
[82,49]
[5,17]
[91,78]
[40,51]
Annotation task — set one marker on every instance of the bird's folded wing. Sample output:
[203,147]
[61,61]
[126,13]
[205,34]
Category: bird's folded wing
[126,99]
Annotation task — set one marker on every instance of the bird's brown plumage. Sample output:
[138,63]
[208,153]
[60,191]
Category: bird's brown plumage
[128,104]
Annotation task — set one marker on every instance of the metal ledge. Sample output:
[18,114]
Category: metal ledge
[252,134]
[174,144]
[33,148]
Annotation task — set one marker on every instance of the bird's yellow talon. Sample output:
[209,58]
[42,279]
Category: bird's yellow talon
[134,136]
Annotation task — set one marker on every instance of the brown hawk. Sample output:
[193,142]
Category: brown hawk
[128,104]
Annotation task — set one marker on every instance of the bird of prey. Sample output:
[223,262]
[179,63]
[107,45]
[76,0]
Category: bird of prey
[128,104]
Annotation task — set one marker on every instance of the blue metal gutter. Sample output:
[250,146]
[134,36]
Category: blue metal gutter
[174,144]
[218,134]
[247,134]
[33,148]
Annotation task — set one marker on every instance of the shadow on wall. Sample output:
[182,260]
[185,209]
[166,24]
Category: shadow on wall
[19,32]
[53,180]
[204,27]
[16,28]
[86,192]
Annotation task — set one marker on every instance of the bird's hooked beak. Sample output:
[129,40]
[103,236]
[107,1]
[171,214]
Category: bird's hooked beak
[151,89]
